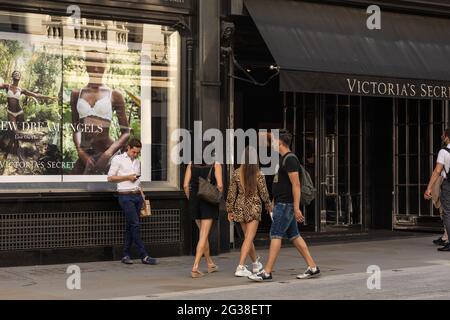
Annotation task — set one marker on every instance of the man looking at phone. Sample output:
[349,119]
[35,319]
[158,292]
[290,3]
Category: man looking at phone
[125,170]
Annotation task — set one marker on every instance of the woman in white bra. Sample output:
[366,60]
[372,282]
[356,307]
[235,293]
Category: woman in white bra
[15,112]
[92,110]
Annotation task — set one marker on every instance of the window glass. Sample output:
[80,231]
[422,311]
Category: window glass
[73,91]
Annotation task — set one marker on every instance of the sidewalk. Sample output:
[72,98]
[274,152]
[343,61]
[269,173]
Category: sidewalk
[171,278]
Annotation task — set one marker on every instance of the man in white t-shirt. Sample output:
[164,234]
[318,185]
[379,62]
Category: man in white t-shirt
[442,169]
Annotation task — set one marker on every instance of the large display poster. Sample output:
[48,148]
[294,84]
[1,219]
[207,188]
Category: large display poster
[101,109]
[71,96]
[30,116]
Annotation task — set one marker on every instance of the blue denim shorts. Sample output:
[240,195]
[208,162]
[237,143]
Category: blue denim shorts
[284,223]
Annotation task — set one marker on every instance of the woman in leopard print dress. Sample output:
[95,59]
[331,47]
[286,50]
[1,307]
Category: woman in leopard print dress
[246,194]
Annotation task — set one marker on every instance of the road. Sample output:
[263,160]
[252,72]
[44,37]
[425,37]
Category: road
[411,268]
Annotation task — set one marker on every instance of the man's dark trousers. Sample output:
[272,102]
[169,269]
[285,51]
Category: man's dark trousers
[131,206]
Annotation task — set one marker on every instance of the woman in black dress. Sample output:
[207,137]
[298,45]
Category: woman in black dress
[201,211]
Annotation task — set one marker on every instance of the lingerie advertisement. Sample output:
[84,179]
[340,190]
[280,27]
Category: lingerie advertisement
[72,93]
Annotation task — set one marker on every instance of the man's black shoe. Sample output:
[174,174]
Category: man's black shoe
[310,273]
[440,242]
[446,248]
[150,261]
[127,260]
[261,276]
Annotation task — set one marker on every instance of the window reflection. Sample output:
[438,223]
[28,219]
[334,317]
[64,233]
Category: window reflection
[109,79]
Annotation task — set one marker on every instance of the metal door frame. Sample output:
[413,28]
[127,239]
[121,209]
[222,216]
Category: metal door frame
[321,163]
[396,157]
[296,103]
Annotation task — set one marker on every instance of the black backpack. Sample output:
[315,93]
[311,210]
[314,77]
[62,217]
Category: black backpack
[308,193]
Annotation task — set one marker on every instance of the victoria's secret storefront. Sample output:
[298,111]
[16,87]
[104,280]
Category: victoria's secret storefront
[367,107]
[57,136]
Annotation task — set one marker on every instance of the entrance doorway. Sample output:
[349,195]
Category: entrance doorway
[341,187]
[345,143]
[378,164]
[328,137]
[369,157]
[418,128]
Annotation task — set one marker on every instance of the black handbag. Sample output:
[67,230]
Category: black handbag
[207,191]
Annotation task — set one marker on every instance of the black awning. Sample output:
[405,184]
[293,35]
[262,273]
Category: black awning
[329,49]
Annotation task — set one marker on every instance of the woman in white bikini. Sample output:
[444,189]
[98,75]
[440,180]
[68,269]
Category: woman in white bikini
[92,111]
[15,112]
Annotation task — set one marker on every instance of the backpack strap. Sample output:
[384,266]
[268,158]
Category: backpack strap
[446,172]
[210,173]
[300,170]
[291,154]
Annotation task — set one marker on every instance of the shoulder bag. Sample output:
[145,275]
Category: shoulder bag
[207,191]
[146,210]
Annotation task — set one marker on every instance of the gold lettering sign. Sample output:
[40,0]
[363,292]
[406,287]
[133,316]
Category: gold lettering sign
[398,89]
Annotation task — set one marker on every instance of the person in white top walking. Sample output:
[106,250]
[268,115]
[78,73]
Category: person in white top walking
[442,169]
[125,170]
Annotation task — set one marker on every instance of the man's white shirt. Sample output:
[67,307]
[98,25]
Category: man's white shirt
[444,159]
[122,165]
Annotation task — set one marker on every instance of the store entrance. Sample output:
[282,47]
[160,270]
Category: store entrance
[345,143]
[418,128]
[341,185]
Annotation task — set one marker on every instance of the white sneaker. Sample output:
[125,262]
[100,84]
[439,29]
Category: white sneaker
[261,277]
[309,273]
[242,271]
[257,266]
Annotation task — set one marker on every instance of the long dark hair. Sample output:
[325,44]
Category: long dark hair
[249,171]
